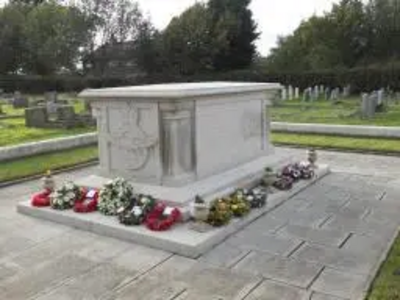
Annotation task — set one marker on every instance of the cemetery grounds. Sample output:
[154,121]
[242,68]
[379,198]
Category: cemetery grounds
[387,283]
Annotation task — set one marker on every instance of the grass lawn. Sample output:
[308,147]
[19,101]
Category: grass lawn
[337,142]
[386,285]
[39,164]
[13,131]
[325,112]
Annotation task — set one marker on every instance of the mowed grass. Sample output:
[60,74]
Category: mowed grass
[13,131]
[337,142]
[38,164]
[324,112]
[386,285]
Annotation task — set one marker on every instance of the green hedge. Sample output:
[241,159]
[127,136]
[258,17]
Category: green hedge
[361,79]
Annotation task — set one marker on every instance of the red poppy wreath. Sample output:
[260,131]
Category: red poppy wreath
[162,217]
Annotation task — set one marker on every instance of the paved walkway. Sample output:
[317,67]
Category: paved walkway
[323,244]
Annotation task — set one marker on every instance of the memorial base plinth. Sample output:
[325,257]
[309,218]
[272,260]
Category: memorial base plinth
[182,239]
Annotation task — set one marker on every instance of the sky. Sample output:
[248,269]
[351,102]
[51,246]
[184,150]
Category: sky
[274,17]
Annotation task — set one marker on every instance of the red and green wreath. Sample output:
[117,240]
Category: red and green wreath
[162,217]
[88,201]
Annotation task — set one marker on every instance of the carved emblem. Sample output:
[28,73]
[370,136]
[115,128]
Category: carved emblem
[134,144]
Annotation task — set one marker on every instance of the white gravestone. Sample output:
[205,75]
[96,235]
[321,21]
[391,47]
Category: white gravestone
[176,135]
[284,93]
[290,93]
[296,93]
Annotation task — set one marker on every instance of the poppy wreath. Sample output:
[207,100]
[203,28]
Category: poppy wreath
[41,199]
[162,217]
[114,195]
[136,211]
[88,201]
[64,197]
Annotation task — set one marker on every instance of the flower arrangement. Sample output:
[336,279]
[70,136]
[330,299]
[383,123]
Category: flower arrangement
[239,205]
[87,202]
[64,197]
[136,211]
[220,213]
[114,195]
[162,217]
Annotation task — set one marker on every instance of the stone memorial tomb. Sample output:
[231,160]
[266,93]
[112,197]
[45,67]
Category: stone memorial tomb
[176,142]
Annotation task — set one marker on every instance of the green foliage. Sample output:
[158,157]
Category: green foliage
[386,285]
[323,112]
[234,31]
[337,142]
[187,41]
[35,165]
[53,37]
[13,131]
[218,36]
[352,34]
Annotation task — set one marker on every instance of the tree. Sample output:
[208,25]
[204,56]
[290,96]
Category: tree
[113,22]
[234,32]
[187,43]
[11,42]
[54,37]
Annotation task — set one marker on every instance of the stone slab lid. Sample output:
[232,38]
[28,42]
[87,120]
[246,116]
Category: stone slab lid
[179,90]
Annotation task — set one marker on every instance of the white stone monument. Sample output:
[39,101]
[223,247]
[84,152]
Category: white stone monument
[179,140]
[290,92]
[284,93]
[296,93]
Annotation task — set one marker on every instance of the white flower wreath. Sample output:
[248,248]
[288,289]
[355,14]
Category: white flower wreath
[65,196]
[114,195]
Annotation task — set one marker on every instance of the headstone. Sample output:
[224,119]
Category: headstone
[381,97]
[290,93]
[65,113]
[335,95]
[321,89]
[36,117]
[316,93]
[307,95]
[284,94]
[296,93]
[368,105]
[19,101]
[327,93]
[346,91]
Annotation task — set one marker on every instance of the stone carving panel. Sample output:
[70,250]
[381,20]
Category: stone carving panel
[131,143]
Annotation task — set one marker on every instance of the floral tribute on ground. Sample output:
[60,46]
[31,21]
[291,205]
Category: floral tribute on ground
[118,199]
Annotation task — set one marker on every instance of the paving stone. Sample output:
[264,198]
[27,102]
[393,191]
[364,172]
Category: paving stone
[224,255]
[269,290]
[371,246]
[37,280]
[51,249]
[339,259]
[319,296]
[158,282]
[303,218]
[266,224]
[357,226]
[225,283]
[266,243]
[286,270]
[340,284]
[105,278]
[11,244]
[319,236]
